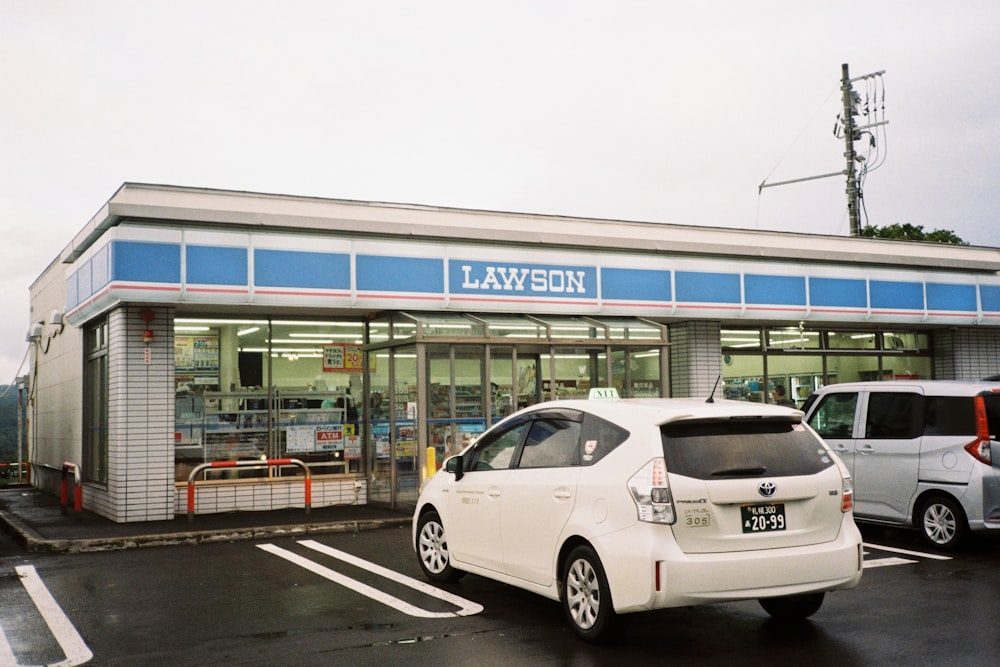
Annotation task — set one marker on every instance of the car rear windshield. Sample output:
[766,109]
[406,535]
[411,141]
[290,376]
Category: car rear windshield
[734,448]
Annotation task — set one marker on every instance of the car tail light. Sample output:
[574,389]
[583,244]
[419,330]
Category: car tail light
[980,447]
[847,497]
[651,493]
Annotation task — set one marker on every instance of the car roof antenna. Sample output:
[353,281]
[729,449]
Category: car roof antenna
[711,397]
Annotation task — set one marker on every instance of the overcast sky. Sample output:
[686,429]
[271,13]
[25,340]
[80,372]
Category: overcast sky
[650,110]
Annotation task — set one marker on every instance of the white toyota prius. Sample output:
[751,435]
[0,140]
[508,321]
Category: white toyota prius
[626,505]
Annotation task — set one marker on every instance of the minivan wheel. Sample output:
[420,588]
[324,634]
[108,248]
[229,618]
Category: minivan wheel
[432,550]
[793,607]
[942,522]
[586,597]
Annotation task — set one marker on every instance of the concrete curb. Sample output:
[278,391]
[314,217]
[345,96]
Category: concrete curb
[20,531]
[36,543]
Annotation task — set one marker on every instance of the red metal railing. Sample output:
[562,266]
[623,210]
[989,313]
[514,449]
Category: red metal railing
[263,463]
[67,467]
[14,470]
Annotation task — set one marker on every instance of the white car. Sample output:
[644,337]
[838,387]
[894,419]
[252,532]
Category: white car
[620,506]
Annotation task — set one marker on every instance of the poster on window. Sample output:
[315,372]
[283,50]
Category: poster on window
[342,358]
[352,447]
[196,363]
[300,439]
[329,438]
[319,438]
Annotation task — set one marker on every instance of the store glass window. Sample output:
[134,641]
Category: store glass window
[253,388]
[743,377]
[445,325]
[802,360]
[95,401]
[795,377]
[741,339]
[852,340]
[574,328]
[500,326]
[903,341]
[852,368]
[644,372]
[577,370]
[502,385]
[626,329]
[793,338]
[906,368]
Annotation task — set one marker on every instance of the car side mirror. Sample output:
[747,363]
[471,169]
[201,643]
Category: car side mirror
[455,467]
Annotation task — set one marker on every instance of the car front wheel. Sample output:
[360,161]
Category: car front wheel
[793,607]
[432,549]
[586,597]
[942,522]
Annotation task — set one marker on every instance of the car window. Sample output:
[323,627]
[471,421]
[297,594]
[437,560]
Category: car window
[992,404]
[733,448]
[895,416]
[551,443]
[600,438]
[949,415]
[834,416]
[495,451]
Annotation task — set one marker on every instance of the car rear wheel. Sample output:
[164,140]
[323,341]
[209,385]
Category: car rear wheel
[586,597]
[793,607]
[942,522]
[432,549]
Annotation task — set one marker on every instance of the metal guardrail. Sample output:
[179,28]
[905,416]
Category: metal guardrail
[263,463]
[15,471]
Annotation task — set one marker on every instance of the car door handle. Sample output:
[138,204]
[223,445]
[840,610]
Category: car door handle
[866,449]
[562,494]
[840,448]
[493,492]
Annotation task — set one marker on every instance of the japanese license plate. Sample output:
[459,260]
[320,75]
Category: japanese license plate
[763,518]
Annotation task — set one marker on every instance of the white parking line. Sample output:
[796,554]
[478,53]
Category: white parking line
[72,645]
[907,552]
[466,607]
[883,562]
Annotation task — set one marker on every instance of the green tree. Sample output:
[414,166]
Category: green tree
[8,424]
[908,232]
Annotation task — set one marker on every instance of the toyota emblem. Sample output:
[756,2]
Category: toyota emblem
[766,489]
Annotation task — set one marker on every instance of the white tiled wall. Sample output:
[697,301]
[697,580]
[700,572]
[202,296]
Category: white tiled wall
[966,354]
[695,360]
[253,496]
[140,485]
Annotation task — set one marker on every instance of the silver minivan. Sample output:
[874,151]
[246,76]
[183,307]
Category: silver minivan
[921,453]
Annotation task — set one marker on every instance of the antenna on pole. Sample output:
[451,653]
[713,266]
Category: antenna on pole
[850,101]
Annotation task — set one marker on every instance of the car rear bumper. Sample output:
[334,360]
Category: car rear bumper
[676,579]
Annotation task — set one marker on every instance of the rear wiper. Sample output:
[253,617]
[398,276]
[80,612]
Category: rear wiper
[739,472]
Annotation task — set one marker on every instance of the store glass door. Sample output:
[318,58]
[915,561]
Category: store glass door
[457,396]
[393,427]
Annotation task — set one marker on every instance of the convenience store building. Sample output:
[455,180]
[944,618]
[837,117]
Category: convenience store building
[183,326]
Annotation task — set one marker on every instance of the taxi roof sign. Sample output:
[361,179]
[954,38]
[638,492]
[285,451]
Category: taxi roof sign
[603,392]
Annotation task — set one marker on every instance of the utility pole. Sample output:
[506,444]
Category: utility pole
[853,132]
[853,194]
